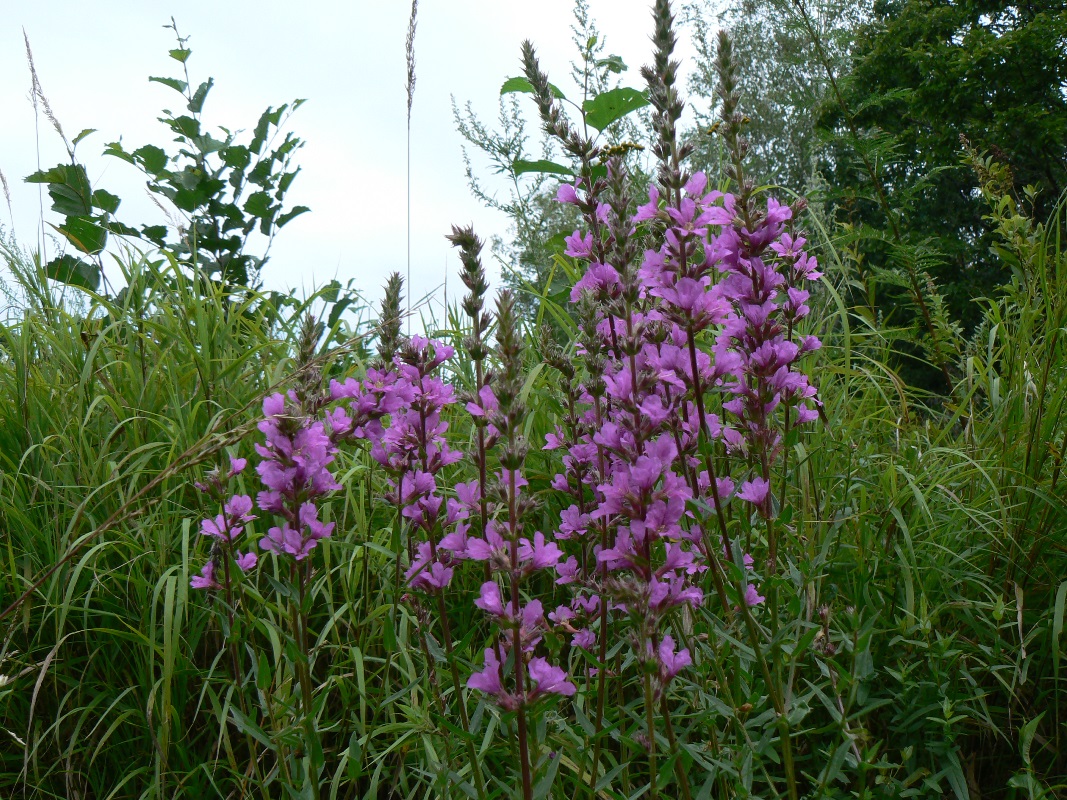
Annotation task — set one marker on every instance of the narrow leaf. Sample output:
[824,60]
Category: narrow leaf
[521,167]
[82,135]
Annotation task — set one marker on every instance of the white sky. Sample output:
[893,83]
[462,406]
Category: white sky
[94,58]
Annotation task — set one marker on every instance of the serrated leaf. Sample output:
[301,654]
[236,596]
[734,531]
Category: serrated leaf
[84,234]
[609,107]
[613,63]
[122,230]
[181,54]
[258,204]
[521,84]
[185,125]
[69,188]
[155,233]
[196,105]
[173,83]
[152,158]
[236,157]
[521,167]
[82,135]
[116,149]
[289,215]
[105,201]
[73,272]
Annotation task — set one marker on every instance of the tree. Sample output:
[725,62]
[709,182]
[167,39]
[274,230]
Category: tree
[925,73]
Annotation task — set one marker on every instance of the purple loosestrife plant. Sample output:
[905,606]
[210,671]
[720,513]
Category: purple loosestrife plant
[300,443]
[512,557]
[398,408]
[711,312]
[225,530]
[481,399]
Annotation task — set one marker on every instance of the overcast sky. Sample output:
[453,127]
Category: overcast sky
[347,58]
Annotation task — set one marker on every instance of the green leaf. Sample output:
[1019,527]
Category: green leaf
[152,158]
[263,672]
[180,55]
[609,107]
[173,83]
[338,309]
[84,234]
[186,126]
[520,84]
[1026,736]
[258,204]
[116,149]
[73,272]
[82,135]
[613,63]
[557,243]
[236,157]
[197,103]
[1057,625]
[295,211]
[69,188]
[155,233]
[121,229]
[521,167]
[105,201]
[246,725]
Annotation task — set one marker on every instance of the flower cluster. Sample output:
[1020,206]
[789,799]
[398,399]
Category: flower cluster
[511,556]
[723,268]
[294,468]
[224,529]
[413,450]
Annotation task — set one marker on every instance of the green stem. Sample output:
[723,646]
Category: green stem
[303,664]
[679,768]
[650,724]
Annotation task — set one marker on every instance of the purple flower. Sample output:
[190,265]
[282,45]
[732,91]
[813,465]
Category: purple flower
[549,679]
[206,578]
[247,561]
[489,599]
[542,554]
[567,194]
[755,491]
[239,507]
[584,639]
[671,662]
[753,597]
[488,680]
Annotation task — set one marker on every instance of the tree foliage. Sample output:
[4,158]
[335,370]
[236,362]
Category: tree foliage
[925,73]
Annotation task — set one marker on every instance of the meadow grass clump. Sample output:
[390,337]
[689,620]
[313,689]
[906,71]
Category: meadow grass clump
[681,532]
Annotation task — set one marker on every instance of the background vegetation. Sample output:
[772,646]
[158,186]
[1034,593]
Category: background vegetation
[921,644]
